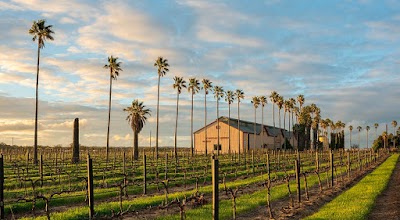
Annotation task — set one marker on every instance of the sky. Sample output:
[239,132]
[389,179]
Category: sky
[341,55]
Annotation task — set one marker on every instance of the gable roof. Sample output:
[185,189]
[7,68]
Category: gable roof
[248,127]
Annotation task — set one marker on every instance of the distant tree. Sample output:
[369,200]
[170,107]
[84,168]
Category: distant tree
[256,103]
[263,102]
[162,69]
[137,116]
[359,128]
[193,88]
[218,94]
[274,98]
[300,100]
[239,95]
[394,124]
[41,32]
[179,83]
[115,68]
[207,85]
[367,129]
[376,125]
[280,102]
[229,97]
[351,129]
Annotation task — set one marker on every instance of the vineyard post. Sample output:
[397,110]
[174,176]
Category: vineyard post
[359,160]
[348,164]
[297,172]
[332,166]
[144,175]
[166,166]
[41,170]
[1,187]
[75,142]
[252,160]
[316,161]
[215,182]
[124,164]
[90,187]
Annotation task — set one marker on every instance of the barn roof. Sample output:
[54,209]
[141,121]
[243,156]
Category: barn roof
[248,127]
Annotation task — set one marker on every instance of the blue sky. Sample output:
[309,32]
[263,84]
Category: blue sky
[342,55]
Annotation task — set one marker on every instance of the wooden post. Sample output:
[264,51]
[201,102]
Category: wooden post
[348,164]
[75,142]
[1,187]
[166,166]
[41,170]
[144,175]
[332,167]
[297,172]
[90,187]
[215,182]
[316,161]
[124,163]
[252,161]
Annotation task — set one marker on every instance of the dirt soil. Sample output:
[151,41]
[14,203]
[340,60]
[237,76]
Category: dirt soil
[387,205]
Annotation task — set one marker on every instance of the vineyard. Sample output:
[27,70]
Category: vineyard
[170,188]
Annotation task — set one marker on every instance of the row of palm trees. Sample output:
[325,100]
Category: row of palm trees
[367,128]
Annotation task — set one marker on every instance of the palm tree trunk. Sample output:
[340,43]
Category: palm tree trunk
[367,139]
[350,140]
[262,126]
[176,129]
[238,121]
[191,126]
[273,119]
[292,129]
[218,128]
[35,147]
[109,117]
[284,128]
[229,128]
[135,145]
[289,127]
[279,118]
[255,138]
[205,121]
[158,105]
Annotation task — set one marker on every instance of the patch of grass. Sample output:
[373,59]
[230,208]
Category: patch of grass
[357,202]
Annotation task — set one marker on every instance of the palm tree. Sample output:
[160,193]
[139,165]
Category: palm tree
[162,69]
[376,125]
[292,104]
[137,116]
[229,97]
[239,94]
[286,107]
[193,88]
[394,124]
[207,84]
[41,32]
[218,94]
[359,128]
[300,100]
[367,129]
[280,102]
[179,83]
[351,129]
[263,101]
[273,97]
[255,102]
[115,68]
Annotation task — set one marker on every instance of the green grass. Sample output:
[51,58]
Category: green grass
[357,202]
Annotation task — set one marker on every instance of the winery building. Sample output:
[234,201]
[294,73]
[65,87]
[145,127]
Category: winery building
[266,136]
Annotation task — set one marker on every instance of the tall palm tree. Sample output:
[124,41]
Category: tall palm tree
[115,68]
[193,88]
[367,129]
[239,95]
[41,32]
[376,125]
[263,102]
[207,84]
[359,128]
[394,124]
[280,102]
[351,129]
[137,116]
[292,104]
[256,102]
[300,100]
[229,97]
[179,83]
[162,69]
[286,107]
[273,97]
[218,94]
